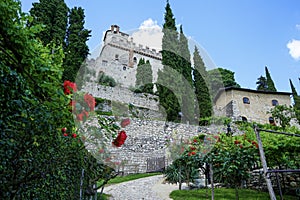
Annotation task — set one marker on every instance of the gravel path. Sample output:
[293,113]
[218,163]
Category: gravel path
[149,188]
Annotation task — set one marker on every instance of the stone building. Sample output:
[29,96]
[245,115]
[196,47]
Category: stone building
[119,57]
[249,105]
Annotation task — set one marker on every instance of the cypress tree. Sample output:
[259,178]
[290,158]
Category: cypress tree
[201,87]
[53,14]
[187,90]
[144,76]
[167,80]
[76,50]
[296,101]
[270,83]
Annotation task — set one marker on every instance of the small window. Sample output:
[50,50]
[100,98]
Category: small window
[244,119]
[134,59]
[117,57]
[104,62]
[246,100]
[124,68]
[274,102]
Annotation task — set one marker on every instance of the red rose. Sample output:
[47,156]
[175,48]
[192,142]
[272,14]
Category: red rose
[193,153]
[69,87]
[65,134]
[125,122]
[74,135]
[90,101]
[195,141]
[120,140]
[64,129]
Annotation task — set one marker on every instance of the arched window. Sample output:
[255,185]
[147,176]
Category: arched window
[134,59]
[274,102]
[246,100]
[244,119]
[117,57]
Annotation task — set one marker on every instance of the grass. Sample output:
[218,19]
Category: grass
[223,194]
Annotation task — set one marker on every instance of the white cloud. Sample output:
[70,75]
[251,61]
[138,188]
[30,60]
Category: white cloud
[149,34]
[294,49]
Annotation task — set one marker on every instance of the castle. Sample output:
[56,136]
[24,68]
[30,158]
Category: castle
[119,57]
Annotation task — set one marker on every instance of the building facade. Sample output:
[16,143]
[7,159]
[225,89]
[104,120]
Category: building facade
[249,105]
[119,57]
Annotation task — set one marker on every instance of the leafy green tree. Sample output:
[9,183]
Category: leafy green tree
[168,77]
[144,76]
[76,49]
[36,159]
[283,114]
[261,83]
[201,86]
[219,78]
[53,15]
[270,83]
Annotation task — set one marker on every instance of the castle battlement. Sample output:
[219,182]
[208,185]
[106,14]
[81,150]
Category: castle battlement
[114,37]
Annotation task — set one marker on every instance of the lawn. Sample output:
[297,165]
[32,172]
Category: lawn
[223,194]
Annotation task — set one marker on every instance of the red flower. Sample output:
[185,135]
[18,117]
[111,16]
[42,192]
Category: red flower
[241,146]
[69,87]
[80,116]
[255,144]
[193,148]
[64,129]
[90,101]
[195,141]
[125,122]
[65,134]
[193,153]
[120,140]
[237,142]
[74,135]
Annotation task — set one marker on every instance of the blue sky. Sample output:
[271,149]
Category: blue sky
[240,35]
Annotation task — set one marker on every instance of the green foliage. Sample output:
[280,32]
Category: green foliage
[36,160]
[144,77]
[262,83]
[220,78]
[283,114]
[201,86]
[53,15]
[76,49]
[106,80]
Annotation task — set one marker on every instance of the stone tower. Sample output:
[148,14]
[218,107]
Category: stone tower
[119,57]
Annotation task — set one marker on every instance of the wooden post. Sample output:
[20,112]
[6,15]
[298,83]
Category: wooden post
[212,181]
[264,164]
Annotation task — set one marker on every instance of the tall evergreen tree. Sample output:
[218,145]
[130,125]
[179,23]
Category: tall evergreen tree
[168,92]
[296,101]
[53,14]
[187,90]
[270,83]
[262,83]
[144,76]
[76,50]
[201,86]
